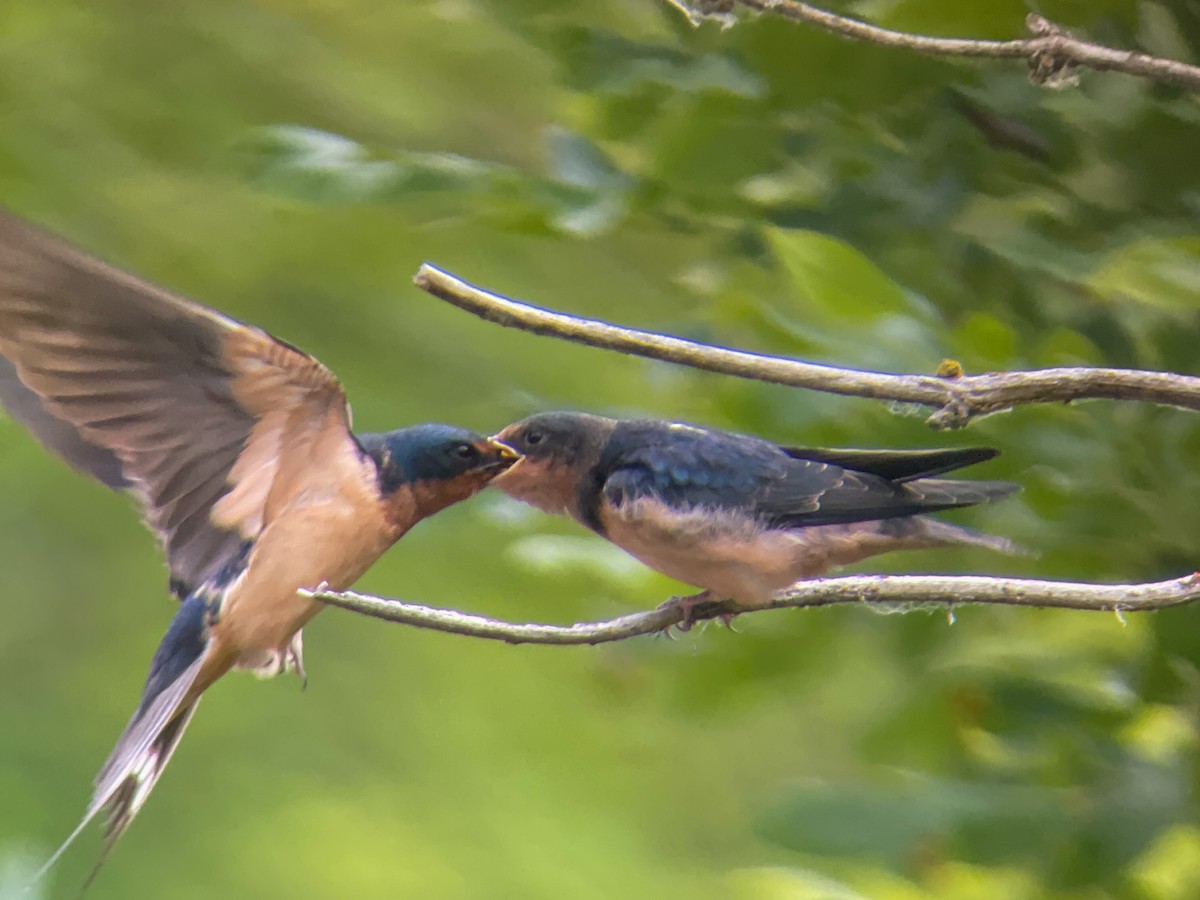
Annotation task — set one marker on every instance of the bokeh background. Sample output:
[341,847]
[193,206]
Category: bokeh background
[769,187]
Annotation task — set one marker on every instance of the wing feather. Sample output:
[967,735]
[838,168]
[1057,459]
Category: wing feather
[689,468]
[897,465]
[139,387]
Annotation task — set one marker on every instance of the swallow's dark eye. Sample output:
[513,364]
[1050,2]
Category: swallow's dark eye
[464,451]
[533,438]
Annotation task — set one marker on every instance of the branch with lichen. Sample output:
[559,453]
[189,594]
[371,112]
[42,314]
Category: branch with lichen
[948,591]
[955,397]
[1053,54]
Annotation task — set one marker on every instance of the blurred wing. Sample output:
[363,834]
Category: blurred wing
[211,422]
[27,408]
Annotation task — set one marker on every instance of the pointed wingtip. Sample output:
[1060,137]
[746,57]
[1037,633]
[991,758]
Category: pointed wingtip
[900,466]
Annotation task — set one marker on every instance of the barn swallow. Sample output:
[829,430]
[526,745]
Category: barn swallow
[238,447]
[736,515]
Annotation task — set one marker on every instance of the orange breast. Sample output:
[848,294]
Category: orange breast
[329,537]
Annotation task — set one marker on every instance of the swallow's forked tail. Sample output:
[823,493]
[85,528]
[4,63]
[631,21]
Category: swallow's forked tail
[145,746]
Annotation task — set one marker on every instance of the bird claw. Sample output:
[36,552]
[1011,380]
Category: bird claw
[293,659]
[695,608]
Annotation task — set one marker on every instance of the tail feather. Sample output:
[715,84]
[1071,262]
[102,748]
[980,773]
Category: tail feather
[144,739]
[131,791]
[148,741]
[924,532]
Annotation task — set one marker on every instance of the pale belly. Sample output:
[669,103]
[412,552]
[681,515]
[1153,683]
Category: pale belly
[729,557]
[735,558]
[747,571]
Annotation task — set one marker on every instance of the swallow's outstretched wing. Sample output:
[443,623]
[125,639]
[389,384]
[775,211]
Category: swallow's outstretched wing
[211,423]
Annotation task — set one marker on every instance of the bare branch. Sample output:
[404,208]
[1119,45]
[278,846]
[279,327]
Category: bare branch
[950,591]
[1052,53]
[955,398]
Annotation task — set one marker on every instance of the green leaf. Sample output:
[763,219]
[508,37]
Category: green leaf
[835,277]
[1107,821]
[313,165]
[1155,271]
[602,61]
[889,820]
[596,198]
[321,167]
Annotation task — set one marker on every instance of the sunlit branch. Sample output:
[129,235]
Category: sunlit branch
[1052,53]
[950,591]
[955,398]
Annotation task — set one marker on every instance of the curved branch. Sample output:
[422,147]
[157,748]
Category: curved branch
[948,590]
[1053,53]
[956,398]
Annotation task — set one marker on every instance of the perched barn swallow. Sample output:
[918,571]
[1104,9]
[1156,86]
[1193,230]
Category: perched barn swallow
[738,516]
[238,447]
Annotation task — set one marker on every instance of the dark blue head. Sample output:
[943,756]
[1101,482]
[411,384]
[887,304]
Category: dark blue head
[436,455]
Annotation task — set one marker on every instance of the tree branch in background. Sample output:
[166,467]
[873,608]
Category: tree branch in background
[955,398]
[1053,53]
[949,591]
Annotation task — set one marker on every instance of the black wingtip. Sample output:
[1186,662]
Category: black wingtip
[897,465]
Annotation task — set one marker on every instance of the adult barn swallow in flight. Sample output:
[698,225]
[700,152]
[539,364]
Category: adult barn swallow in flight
[238,447]
[738,516]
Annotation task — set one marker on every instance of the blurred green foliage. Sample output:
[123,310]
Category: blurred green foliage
[768,186]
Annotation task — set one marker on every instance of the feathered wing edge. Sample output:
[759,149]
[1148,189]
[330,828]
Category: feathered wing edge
[897,465]
[135,765]
[950,493]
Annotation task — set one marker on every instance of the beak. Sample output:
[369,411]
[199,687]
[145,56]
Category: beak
[505,455]
[499,436]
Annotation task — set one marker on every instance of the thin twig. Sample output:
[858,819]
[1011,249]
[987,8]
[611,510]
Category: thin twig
[956,399]
[951,591]
[1053,53]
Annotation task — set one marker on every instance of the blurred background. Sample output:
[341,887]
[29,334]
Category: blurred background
[769,187]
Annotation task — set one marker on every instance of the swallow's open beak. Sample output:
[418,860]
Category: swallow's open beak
[504,455]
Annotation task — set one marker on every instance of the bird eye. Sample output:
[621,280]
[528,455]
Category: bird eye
[464,451]
[533,438]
